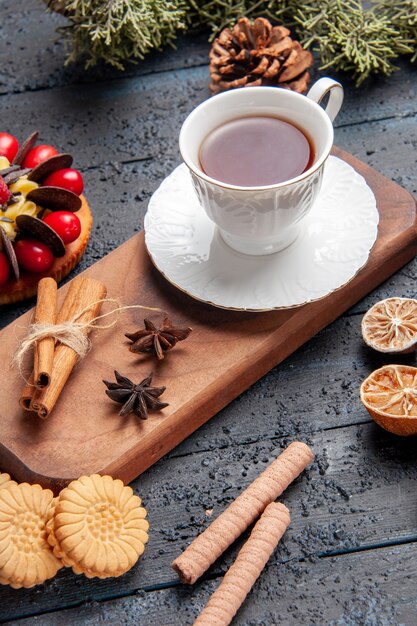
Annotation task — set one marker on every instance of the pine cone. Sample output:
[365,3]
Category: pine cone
[258,54]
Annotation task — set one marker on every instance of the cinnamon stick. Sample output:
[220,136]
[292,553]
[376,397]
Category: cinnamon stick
[45,313]
[25,399]
[82,293]
[242,512]
[252,558]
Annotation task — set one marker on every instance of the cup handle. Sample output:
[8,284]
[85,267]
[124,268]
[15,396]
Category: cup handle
[327,86]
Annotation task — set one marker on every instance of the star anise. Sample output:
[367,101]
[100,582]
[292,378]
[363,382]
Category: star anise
[135,398]
[157,340]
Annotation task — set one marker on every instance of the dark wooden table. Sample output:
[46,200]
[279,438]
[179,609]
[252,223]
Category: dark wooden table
[350,555]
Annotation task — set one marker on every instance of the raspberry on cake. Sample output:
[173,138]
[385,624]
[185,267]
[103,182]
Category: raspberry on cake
[45,222]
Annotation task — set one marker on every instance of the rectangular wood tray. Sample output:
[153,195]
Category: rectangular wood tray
[226,353]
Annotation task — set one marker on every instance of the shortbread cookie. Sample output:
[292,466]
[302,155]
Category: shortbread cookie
[5,480]
[98,527]
[26,558]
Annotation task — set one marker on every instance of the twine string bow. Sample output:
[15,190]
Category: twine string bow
[72,333]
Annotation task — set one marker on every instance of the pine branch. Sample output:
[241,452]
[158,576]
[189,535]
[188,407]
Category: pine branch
[346,36]
[116,31]
[403,15]
[219,14]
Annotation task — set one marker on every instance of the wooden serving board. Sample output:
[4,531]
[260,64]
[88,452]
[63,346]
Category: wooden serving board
[226,353]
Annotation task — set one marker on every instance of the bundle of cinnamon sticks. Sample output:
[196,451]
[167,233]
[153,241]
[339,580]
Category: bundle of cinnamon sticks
[54,361]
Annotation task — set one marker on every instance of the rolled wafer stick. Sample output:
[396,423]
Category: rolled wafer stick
[252,558]
[45,313]
[82,293]
[242,512]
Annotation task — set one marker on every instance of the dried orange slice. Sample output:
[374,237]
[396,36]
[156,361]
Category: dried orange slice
[391,325]
[390,396]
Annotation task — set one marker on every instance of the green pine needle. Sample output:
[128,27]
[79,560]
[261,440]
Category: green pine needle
[346,36]
[117,31]
[217,14]
[403,15]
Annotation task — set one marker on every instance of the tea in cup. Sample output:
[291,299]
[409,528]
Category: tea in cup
[256,157]
[256,151]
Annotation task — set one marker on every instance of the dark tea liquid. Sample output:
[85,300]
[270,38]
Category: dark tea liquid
[256,151]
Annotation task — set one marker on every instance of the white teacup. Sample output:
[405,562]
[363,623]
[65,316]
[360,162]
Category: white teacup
[262,220]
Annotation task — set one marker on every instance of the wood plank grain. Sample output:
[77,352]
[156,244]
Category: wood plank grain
[40,62]
[118,194]
[127,119]
[375,587]
[388,145]
[238,349]
[360,492]
[384,470]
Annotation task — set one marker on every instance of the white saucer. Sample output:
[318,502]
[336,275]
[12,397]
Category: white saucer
[333,245]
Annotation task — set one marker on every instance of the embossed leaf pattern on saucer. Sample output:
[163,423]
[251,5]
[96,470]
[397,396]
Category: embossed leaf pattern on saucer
[333,245]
